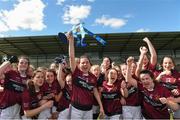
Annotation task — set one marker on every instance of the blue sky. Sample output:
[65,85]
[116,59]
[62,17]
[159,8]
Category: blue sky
[48,17]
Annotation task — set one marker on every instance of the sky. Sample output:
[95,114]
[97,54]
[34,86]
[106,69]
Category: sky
[49,17]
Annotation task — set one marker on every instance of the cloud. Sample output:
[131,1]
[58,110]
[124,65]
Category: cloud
[111,22]
[129,16]
[60,2]
[3,26]
[90,0]
[26,14]
[2,35]
[75,14]
[4,0]
[143,30]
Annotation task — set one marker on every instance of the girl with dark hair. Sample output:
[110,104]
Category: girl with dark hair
[32,98]
[95,70]
[111,93]
[65,81]
[132,107]
[14,84]
[51,91]
[83,86]
[106,64]
[30,70]
[149,62]
[170,78]
[118,68]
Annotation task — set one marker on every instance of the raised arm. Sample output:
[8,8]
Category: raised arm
[143,50]
[124,90]
[61,76]
[153,59]
[128,76]
[4,65]
[71,52]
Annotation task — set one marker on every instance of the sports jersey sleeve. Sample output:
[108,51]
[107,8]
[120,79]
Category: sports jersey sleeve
[75,73]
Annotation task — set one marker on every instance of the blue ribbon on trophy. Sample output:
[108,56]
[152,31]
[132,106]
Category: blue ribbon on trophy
[79,33]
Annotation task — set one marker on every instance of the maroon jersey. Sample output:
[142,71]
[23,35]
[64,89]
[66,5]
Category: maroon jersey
[152,108]
[170,81]
[82,90]
[150,67]
[111,96]
[14,85]
[134,97]
[65,99]
[30,102]
[53,88]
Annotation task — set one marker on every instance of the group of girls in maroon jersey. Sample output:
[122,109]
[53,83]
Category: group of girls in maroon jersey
[132,90]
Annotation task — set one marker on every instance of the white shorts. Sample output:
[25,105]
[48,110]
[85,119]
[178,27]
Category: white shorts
[64,115]
[114,117]
[25,118]
[47,113]
[80,114]
[12,112]
[131,112]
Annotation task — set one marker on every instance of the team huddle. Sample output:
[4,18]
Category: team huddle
[78,89]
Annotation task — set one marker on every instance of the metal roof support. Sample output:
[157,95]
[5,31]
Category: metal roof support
[46,58]
[3,52]
[174,52]
[100,53]
[170,41]
[155,35]
[12,44]
[37,46]
[37,61]
[125,45]
[177,48]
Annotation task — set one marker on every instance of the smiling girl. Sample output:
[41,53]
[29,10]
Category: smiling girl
[155,100]
[83,86]
[170,78]
[111,94]
[32,98]
[14,84]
